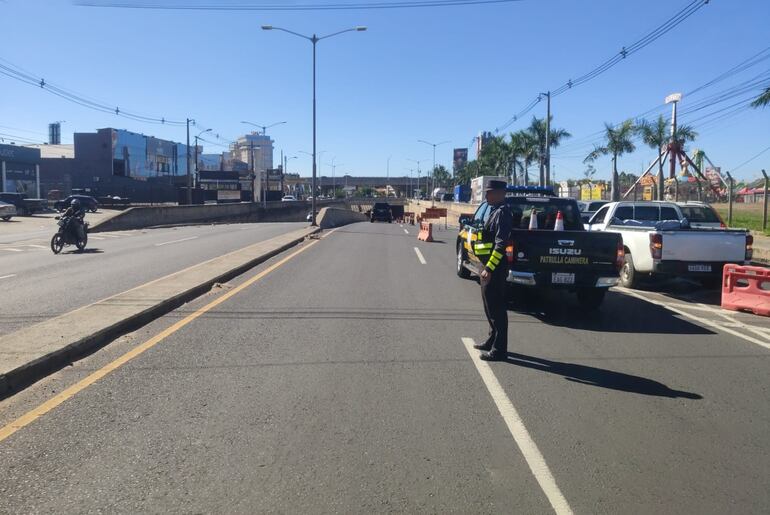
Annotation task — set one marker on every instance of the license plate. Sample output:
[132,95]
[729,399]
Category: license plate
[699,268]
[560,278]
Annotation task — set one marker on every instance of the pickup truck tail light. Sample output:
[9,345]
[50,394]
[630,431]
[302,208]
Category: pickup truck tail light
[749,247]
[656,246]
[620,256]
[510,253]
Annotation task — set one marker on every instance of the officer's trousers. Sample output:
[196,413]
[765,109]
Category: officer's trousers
[496,308]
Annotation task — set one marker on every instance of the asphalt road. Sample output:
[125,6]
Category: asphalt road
[40,285]
[337,380]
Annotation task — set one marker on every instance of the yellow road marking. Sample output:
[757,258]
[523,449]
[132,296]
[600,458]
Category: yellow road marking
[84,383]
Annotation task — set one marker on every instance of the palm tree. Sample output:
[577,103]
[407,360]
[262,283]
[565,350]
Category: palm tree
[657,135]
[762,100]
[618,142]
[537,130]
[529,153]
[517,149]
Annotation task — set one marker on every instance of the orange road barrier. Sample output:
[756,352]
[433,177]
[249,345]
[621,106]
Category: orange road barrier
[434,213]
[426,231]
[746,288]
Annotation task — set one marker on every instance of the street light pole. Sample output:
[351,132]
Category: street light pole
[434,145]
[197,173]
[314,39]
[189,174]
[387,178]
[263,127]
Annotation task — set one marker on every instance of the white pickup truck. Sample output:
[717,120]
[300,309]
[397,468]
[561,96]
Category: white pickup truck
[659,241]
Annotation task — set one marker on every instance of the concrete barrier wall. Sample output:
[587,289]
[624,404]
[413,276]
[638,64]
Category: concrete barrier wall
[330,217]
[142,217]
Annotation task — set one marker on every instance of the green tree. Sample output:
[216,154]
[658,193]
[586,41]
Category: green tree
[762,100]
[618,141]
[517,149]
[441,176]
[537,130]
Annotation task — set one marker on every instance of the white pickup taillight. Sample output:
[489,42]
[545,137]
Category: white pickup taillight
[656,246]
[749,247]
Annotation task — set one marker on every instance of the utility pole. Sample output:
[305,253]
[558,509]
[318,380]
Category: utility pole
[548,141]
[764,196]
[189,174]
[253,175]
[283,165]
[387,177]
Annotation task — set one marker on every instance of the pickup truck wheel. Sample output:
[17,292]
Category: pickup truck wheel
[628,273]
[462,257]
[591,298]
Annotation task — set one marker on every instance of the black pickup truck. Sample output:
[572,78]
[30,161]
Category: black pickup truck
[573,259]
[24,206]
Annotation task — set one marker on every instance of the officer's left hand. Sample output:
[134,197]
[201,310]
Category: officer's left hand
[485,276]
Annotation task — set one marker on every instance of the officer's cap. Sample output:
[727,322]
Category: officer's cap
[496,186]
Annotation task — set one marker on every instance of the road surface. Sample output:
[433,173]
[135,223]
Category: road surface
[337,378]
[42,285]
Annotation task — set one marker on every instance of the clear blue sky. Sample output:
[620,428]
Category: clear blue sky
[434,74]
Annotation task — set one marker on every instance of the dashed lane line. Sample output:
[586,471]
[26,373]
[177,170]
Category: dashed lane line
[406,231]
[176,241]
[521,436]
[420,256]
[7,276]
[12,249]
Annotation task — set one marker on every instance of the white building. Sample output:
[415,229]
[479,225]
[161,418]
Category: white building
[262,147]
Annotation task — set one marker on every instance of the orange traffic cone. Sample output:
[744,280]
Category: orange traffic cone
[532,220]
[559,225]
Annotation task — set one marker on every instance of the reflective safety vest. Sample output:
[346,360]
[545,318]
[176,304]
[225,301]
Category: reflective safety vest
[482,247]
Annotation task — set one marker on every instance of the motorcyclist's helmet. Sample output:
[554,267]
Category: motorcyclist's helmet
[75,204]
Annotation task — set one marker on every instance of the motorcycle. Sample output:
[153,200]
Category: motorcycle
[68,234]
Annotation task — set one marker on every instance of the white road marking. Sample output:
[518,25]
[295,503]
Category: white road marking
[704,321]
[406,231]
[95,238]
[7,276]
[36,246]
[420,256]
[12,250]
[521,436]
[175,241]
[330,232]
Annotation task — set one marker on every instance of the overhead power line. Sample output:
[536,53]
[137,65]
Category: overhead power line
[626,51]
[261,6]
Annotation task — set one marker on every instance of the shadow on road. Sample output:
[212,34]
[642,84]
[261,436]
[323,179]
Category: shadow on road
[684,290]
[600,377]
[619,314]
[84,251]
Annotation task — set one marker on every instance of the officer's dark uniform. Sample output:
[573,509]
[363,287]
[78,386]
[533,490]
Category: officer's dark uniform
[490,250]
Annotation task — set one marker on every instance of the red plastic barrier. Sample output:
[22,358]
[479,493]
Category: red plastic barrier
[426,231]
[746,288]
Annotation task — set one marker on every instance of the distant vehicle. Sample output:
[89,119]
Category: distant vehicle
[7,211]
[447,197]
[700,214]
[589,207]
[310,216]
[438,193]
[660,242]
[289,198]
[573,259]
[89,203]
[381,211]
[462,193]
[24,206]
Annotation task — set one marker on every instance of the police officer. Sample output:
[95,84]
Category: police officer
[490,249]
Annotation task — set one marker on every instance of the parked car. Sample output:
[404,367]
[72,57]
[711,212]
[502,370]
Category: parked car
[660,241]
[288,198]
[700,214]
[572,259]
[24,205]
[7,211]
[89,203]
[447,197]
[381,211]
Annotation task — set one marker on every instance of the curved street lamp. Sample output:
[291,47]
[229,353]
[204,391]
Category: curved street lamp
[314,39]
[263,127]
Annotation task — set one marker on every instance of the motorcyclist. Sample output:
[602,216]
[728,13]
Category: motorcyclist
[76,212]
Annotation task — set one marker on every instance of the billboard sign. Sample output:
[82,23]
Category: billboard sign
[460,159]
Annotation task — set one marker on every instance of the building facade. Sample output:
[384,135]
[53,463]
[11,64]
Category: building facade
[262,148]
[20,170]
